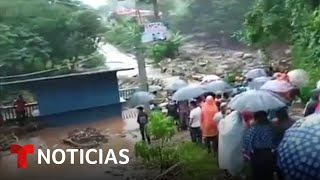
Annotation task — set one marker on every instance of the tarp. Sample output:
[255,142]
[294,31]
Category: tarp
[231,131]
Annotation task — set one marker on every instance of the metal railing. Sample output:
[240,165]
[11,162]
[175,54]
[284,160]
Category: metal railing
[126,93]
[9,112]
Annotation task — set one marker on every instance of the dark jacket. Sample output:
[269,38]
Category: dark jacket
[310,108]
[142,118]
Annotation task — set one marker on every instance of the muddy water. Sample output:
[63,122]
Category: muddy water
[51,138]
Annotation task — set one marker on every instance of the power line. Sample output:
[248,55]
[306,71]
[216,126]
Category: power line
[45,71]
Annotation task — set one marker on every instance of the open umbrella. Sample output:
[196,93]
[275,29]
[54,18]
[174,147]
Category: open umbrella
[318,84]
[255,100]
[189,92]
[218,86]
[255,73]
[299,151]
[140,98]
[278,96]
[279,86]
[154,88]
[256,83]
[210,78]
[176,85]
[298,77]
[315,94]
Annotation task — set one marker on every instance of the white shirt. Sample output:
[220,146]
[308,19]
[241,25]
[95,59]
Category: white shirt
[195,117]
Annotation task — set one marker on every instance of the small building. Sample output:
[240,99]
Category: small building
[74,98]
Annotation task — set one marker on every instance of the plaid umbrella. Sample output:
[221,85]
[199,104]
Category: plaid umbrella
[299,151]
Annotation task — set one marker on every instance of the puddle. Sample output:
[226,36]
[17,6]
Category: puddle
[123,134]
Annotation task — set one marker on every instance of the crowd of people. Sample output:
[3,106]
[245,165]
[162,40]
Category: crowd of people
[259,133]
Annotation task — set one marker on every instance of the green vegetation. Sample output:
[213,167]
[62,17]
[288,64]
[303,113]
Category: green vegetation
[36,35]
[161,128]
[215,18]
[293,21]
[128,29]
[193,160]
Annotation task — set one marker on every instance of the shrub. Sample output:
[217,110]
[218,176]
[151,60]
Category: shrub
[165,49]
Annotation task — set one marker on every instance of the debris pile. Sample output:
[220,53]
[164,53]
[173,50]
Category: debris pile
[6,140]
[85,138]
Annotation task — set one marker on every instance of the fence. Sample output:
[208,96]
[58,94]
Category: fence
[9,113]
[126,93]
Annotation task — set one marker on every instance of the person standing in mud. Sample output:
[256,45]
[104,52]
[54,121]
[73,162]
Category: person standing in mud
[183,114]
[20,108]
[209,127]
[194,123]
[143,121]
[172,109]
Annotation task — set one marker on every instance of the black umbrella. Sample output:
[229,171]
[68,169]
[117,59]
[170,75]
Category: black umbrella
[315,94]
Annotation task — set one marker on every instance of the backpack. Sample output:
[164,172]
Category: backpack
[143,119]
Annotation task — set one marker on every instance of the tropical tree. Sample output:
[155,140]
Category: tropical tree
[39,35]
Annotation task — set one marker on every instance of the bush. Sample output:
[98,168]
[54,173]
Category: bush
[303,59]
[196,163]
[165,49]
[160,155]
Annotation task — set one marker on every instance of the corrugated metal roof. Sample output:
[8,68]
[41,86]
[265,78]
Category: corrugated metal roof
[64,76]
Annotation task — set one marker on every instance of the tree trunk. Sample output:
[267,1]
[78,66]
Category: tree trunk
[156,9]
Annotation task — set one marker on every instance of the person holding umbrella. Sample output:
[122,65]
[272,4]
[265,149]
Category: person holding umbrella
[194,122]
[208,126]
[258,146]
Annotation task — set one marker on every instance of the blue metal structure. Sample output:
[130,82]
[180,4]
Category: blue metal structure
[75,98]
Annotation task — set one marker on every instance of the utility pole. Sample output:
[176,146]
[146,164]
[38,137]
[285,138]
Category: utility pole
[156,9]
[139,53]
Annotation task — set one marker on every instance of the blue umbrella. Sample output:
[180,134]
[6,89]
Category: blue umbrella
[176,85]
[255,100]
[299,151]
[189,92]
[218,86]
[140,98]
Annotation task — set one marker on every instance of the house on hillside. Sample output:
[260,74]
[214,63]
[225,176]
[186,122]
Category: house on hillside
[74,98]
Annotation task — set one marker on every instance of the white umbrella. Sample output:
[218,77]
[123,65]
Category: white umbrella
[255,73]
[318,84]
[256,83]
[255,100]
[176,85]
[189,92]
[154,88]
[218,86]
[140,98]
[298,77]
[279,86]
[210,78]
